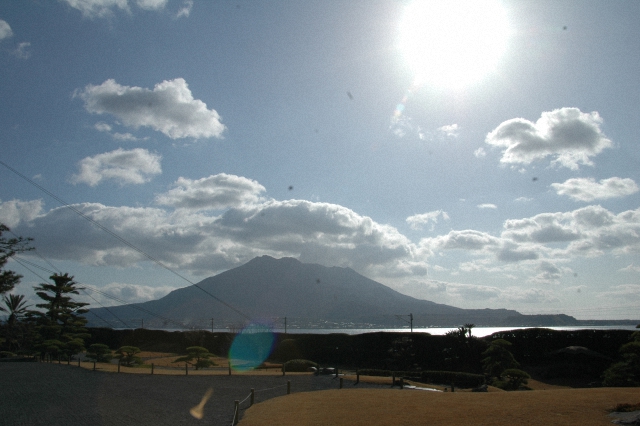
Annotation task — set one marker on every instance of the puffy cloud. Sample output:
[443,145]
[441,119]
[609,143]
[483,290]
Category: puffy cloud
[98,8]
[105,8]
[419,220]
[151,4]
[587,189]
[215,192]
[15,211]
[450,131]
[487,206]
[125,167]
[462,240]
[588,231]
[566,134]
[5,30]
[169,108]
[313,232]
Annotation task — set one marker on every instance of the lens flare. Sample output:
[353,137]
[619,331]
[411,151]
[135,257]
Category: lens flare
[251,347]
[198,410]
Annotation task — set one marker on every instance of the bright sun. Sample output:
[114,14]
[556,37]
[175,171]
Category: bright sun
[452,43]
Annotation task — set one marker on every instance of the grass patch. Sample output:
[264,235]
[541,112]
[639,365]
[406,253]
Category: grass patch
[411,407]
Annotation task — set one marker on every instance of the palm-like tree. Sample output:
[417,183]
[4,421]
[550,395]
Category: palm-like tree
[15,306]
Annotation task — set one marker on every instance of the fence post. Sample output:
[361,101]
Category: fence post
[186,369]
[288,387]
[152,368]
[453,389]
[229,366]
[78,361]
[252,395]
[235,412]
[283,369]
[393,379]
[401,382]
[94,366]
[357,376]
[118,365]
[337,369]
[340,382]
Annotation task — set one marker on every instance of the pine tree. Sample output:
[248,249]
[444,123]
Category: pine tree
[60,324]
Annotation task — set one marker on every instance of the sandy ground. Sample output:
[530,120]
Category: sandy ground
[33,394]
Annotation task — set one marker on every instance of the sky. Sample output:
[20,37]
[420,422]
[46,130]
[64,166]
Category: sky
[481,155]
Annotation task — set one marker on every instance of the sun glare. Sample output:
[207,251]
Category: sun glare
[453,43]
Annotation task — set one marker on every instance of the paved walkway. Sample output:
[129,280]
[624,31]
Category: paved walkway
[33,394]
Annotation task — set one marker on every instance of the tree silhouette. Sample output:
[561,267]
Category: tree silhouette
[61,324]
[15,306]
[8,248]
[198,357]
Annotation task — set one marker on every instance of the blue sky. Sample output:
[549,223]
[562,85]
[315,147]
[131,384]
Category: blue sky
[208,133]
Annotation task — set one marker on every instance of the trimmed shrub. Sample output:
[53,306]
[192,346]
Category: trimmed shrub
[299,365]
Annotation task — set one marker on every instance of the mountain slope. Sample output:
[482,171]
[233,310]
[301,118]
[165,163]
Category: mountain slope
[266,288]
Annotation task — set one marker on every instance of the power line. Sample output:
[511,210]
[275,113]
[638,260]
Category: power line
[121,239]
[85,288]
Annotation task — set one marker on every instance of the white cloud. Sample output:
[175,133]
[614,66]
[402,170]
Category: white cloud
[21,50]
[15,211]
[135,166]
[487,206]
[215,192]
[5,30]
[106,8]
[480,153]
[98,8]
[588,231]
[126,137]
[523,199]
[462,240]
[631,268]
[449,292]
[185,10]
[169,108]
[587,189]
[450,131]
[101,126]
[313,232]
[131,293]
[419,220]
[566,134]
[151,4]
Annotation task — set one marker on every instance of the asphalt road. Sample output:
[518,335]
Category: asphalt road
[33,394]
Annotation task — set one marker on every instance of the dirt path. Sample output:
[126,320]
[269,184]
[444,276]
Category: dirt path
[51,394]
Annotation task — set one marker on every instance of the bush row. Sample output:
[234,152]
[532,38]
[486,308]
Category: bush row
[461,380]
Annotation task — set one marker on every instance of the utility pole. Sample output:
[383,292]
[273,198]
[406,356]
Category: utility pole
[410,322]
[285,325]
[212,325]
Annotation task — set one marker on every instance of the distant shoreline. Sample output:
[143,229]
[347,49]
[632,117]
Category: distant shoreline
[436,331]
